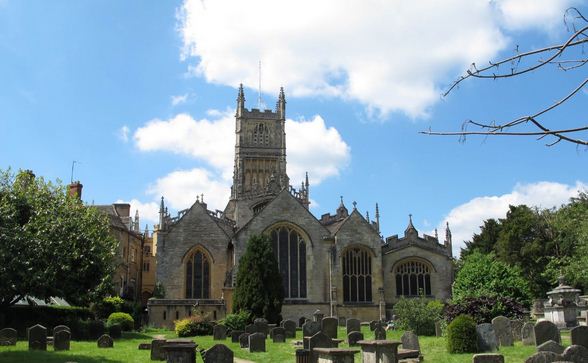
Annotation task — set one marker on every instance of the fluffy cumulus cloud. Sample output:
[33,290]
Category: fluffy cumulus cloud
[388,55]
[465,219]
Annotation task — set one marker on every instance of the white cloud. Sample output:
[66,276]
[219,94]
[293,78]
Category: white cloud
[388,55]
[466,219]
[179,99]
[123,133]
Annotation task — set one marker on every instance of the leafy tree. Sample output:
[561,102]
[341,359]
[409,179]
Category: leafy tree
[485,241]
[50,243]
[482,275]
[418,314]
[259,288]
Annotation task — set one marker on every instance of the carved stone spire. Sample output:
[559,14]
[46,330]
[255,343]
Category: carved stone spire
[281,109]
[377,218]
[448,242]
[240,101]
[162,210]
[410,228]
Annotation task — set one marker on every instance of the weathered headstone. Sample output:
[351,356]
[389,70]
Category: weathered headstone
[488,358]
[37,337]
[219,332]
[105,341]
[544,357]
[244,340]
[250,329]
[353,325]
[503,331]
[528,334]
[301,321]
[410,341]
[486,337]
[61,340]
[157,352]
[546,330]
[60,328]
[8,336]
[279,338]
[289,328]
[261,326]
[438,330]
[329,327]
[579,335]
[277,330]
[219,353]
[550,346]
[373,324]
[379,333]
[310,328]
[257,342]
[576,354]
[235,335]
[516,325]
[319,340]
[318,316]
[342,321]
[354,337]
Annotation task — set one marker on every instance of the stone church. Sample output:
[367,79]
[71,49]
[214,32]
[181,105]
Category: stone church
[338,263]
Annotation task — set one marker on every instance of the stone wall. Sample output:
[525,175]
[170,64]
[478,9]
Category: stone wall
[163,312]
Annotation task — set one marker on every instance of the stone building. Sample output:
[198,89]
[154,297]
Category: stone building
[338,264]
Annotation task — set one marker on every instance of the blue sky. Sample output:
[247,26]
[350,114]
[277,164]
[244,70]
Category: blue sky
[141,95]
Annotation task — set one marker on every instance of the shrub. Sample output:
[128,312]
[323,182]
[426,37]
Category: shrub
[461,335]
[125,321]
[107,306]
[115,331]
[237,321]
[418,315]
[23,317]
[484,309]
[193,326]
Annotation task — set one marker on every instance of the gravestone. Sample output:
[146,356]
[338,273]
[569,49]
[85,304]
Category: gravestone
[319,340]
[289,328]
[310,328]
[546,330]
[144,346]
[277,330]
[37,337]
[528,334]
[235,335]
[486,338]
[60,328]
[250,329]
[279,338]
[261,326]
[342,321]
[503,331]
[488,358]
[219,353]
[219,332]
[410,341]
[105,341]
[329,327]
[61,340]
[354,337]
[157,352]
[544,357]
[438,330]
[579,335]
[576,354]
[244,340]
[318,316]
[516,325]
[379,333]
[8,336]
[353,325]
[550,346]
[257,342]
[301,321]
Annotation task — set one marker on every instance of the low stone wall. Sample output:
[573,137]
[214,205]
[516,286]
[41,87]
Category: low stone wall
[163,312]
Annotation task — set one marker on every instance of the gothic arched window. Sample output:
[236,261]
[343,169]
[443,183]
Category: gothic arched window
[357,275]
[289,249]
[413,278]
[261,134]
[198,276]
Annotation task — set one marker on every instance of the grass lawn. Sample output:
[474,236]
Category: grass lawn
[125,350]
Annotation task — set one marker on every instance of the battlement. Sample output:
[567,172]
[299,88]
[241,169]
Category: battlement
[256,113]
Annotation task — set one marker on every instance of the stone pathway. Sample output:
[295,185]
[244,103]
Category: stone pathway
[239,360]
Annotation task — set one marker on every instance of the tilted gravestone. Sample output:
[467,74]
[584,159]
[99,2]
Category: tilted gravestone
[37,337]
[219,353]
[546,330]
[61,340]
[528,334]
[329,327]
[354,337]
[219,332]
[379,333]
[289,328]
[550,346]
[244,340]
[503,331]
[261,326]
[250,329]
[235,335]
[8,336]
[486,338]
[278,331]
[105,341]
[257,342]
[579,335]
[319,340]
[310,328]
[353,325]
[157,352]
[576,354]
[488,358]
[410,341]
[544,357]
[301,321]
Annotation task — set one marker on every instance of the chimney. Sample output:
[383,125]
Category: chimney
[75,190]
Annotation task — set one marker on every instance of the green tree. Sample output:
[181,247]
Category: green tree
[259,288]
[482,275]
[50,243]
[485,241]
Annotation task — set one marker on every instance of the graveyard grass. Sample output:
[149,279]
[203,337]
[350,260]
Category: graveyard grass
[125,349]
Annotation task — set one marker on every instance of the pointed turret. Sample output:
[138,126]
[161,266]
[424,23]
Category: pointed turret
[136,222]
[342,211]
[281,106]
[448,242]
[162,214]
[410,228]
[240,101]
[377,218]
